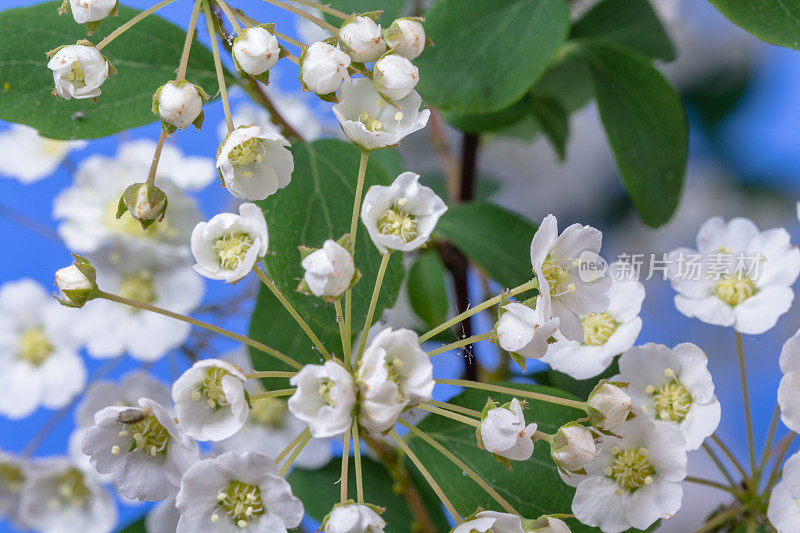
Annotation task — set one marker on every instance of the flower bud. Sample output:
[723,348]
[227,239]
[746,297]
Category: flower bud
[360,38]
[350,517]
[90,12]
[503,431]
[323,68]
[329,270]
[78,70]
[76,283]
[406,37]
[608,406]
[395,76]
[545,524]
[145,202]
[256,50]
[573,447]
[179,103]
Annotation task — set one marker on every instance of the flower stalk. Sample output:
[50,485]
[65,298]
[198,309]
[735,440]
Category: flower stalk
[273,394]
[372,303]
[449,414]
[345,463]
[357,456]
[458,344]
[514,392]
[223,90]
[187,44]
[125,27]
[289,447]
[295,453]
[306,15]
[748,417]
[362,172]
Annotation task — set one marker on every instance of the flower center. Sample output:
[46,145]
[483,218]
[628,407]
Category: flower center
[211,388]
[269,412]
[393,367]
[398,222]
[139,287]
[735,288]
[247,152]
[598,328]
[76,75]
[557,278]
[671,400]
[325,386]
[232,248]
[371,123]
[34,346]
[149,436]
[630,468]
[71,489]
[11,477]
[241,502]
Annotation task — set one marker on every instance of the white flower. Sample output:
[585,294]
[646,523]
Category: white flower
[635,479]
[573,447]
[323,68]
[395,76]
[393,374]
[784,511]
[102,394]
[491,522]
[13,473]
[329,270]
[210,400]
[256,50]
[403,215]
[110,329]
[180,104]
[609,406]
[74,287]
[163,517]
[237,492]
[143,447]
[58,497]
[324,399]
[361,39]
[605,335]
[91,10]
[371,123]
[353,518]
[228,246]
[744,277]
[525,331]
[556,260]
[673,385]
[254,163]
[503,432]
[26,156]
[406,36]
[39,361]
[547,524]
[78,71]
[789,388]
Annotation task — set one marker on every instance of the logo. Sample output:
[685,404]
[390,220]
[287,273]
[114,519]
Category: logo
[591,267]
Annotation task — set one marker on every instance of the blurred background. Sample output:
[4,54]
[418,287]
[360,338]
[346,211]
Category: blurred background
[743,108]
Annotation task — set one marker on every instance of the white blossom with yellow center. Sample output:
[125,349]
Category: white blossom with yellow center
[28,157]
[78,71]
[254,163]
[784,500]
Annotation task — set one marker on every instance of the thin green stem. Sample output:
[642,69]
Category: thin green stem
[783,449]
[457,408]
[751,447]
[514,392]
[462,465]
[223,90]
[273,394]
[125,27]
[288,464]
[337,304]
[718,519]
[532,284]
[768,444]
[348,297]
[357,456]
[292,311]
[187,44]
[372,303]
[306,15]
[460,343]
[729,455]
[345,460]
[324,8]
[205,325]
[229,15]
[270,374]
[428,477]
[709,483]
[449,414]
[151,176]
[290,40]
[719,464]
[289,447]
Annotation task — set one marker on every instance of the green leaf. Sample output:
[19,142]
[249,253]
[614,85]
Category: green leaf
[137,526]
[315,206]
[553,121]
[391,9]
[566,80]
[427,290]
[481,122]
[145,57]
[496,240]
[319,491]
[646,127]
[487,55]
[773,21]
[628,23]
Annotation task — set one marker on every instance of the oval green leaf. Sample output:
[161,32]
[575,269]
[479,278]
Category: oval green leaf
[773,21]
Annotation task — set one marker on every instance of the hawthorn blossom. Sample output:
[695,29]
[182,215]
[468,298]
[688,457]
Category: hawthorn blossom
[256,50]
[547,524]
[635,478]
[353,518]
[783,511]
[142,447]
[360,38]
[78,70]
[605,335]
[29,157]
[556,260]
[76,283]
[608,406]
[84,11]
[179,104]
[393,374]
[323,69]
[743,277]
[370,122]
[395,76]
[39,360]
[573,447]
[503,432]
[491,522]
[210,400]
[253,163]
[237,491]
[401,216]
[324,399]
[134,385]
[406,36]
[789,388]
[525,331]
[329,270]
[228,246]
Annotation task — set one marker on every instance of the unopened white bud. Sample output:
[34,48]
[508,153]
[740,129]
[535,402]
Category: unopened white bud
[256,50]
[76,283]
[329,270]
[361,39]
[84,11]
[609,406]
[573,447]
[323,68]
[406,37]
[395,76]
[179,103]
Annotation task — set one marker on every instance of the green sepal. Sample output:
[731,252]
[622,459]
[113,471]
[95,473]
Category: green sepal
[305,251]
[263,77]
[79,297]
[169,129]
[198,122]
[303,288]
[521,360]
[505,461]
[490,404]
[93,26]
[85,267]
[344,242]
[64,8]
